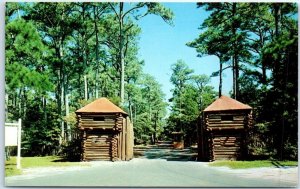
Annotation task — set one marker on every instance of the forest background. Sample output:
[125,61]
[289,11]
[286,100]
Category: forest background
[61,56]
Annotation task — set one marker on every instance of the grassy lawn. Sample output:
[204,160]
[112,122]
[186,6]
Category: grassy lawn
[31,162]
[253,164]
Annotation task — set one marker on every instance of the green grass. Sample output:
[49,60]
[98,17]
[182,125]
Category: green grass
[31,162]
[253,164]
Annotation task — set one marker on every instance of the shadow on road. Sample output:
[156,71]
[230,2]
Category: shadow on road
[165,152]
[280,165]
[171,155]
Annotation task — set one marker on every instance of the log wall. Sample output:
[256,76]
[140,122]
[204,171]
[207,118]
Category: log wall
[227,146]
[224,135]
[98,146]
[215,121]
[92,121]
[106,137]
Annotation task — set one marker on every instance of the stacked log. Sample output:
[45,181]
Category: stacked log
[114,148]
[98,124]
[215,122]
[119,122]
[227,147]
[98,147]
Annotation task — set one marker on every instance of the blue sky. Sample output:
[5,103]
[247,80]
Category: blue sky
[162,45]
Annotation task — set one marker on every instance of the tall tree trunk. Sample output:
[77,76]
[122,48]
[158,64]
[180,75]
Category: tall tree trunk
[62,107]
[20,102]
[15,96]
[220,79]
[97,83]
[6,106]
[155,126]
[235,66]
[79,86]
[122,92]
[279,135]
[121,53]
[45,108]
[85,88]
[60,96]
[59,105]
[264,73]
[85,61]
[233,78]
[24,103]
[277,18]
[130,110]
[277,15]
[97,54]
[237,75]
[67,114]
[130,107]
[133,121]
[263,67]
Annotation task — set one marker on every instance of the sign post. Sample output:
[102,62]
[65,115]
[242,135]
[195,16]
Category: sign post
[19,144]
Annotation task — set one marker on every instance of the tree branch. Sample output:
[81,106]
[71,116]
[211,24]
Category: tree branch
[116,13]
[129,27]
[133,8]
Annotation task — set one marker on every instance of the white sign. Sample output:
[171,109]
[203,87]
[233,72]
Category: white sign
[11,136]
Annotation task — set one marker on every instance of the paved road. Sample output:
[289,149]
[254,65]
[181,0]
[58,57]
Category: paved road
[142,172]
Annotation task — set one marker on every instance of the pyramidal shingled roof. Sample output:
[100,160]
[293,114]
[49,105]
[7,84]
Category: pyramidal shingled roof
[226,103]
[101,105]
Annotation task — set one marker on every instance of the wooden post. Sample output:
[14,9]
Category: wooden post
[123,139]
[131,140]
[128,144]
[126,138]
